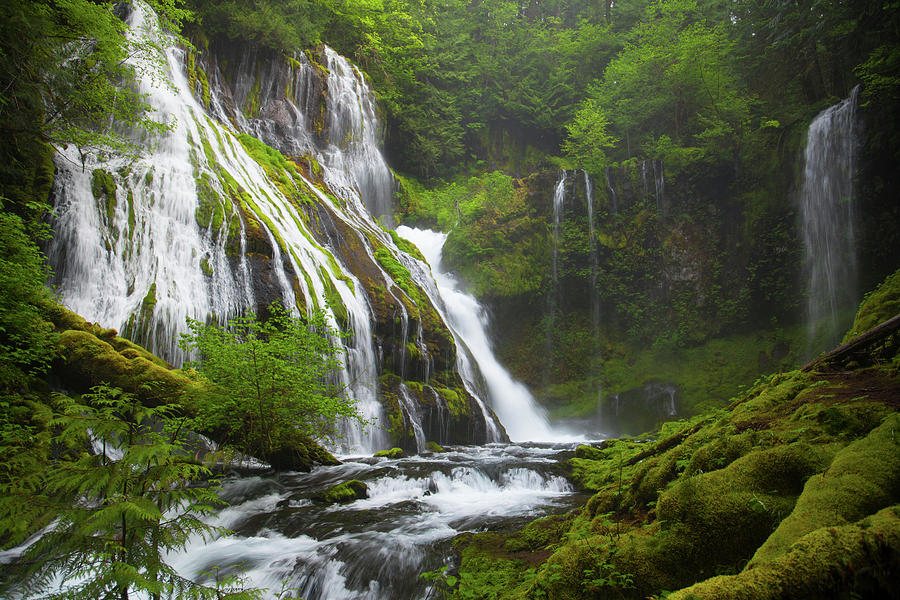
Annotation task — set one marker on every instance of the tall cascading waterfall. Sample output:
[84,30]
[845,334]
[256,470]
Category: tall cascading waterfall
[827,224]
[183,231]
[517,409]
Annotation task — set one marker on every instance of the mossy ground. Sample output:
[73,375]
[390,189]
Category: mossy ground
[760,500]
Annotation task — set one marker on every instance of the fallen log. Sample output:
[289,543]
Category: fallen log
[863,348]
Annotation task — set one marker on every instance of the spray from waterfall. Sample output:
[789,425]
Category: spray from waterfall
[827,224]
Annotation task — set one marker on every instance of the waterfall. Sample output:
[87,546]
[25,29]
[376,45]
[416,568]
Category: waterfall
[352,156]
[196,228]
[612,192]
[559,198]
[510,399]
[592,291]
[659,180]
[827,223]
[595,266]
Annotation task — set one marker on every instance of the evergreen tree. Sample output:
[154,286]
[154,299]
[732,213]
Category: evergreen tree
[111,515]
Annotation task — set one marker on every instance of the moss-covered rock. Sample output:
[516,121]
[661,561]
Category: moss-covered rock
[879,305]
[344,492]
[393,453]
[863,478]
[855,560]
[302,456]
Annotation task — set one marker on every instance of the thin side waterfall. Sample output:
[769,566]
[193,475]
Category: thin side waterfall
[614,199]
[659,180]
[517,409]
[411,412]
[595,266]
[827,223]
[593,293]
[559,198]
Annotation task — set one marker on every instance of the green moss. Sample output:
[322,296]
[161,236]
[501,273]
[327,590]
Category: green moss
[856,559]
[204,86]
[880,304]
[456,403]
[398,272]
[407,246]
[434,447]
[538,534]
[487,571]
[149,301]
[393,453]
[210,212]
[252,104]
[345,492]
[132,218]
[103,186]
[594,468]
[89,360]
[333,299]
[863,478]
[206,267]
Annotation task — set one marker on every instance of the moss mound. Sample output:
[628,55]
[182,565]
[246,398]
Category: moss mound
[880,304]
[344,492]
[393,453]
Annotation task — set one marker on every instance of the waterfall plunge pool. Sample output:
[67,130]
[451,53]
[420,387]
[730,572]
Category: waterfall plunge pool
[376,548]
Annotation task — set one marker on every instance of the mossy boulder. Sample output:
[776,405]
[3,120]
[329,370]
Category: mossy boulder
[87,360]
[879,305]
[863,478]
[434,447]
[344,492]
[393,453]
[790,493]
[301,456]
[855,560]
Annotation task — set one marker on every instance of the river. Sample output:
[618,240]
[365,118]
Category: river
[376,548]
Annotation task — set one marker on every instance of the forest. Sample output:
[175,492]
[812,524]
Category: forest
[449,299]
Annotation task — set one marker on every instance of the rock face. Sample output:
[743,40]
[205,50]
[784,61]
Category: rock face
[292,104]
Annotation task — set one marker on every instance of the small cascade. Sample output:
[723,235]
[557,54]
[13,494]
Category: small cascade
[827,224]
[290,543]
[510,399]
[614,199]
[659,180]
[595,263]
[413,418]
[441,412]
[355,167]
[559,198]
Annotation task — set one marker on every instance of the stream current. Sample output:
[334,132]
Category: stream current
[376,548]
